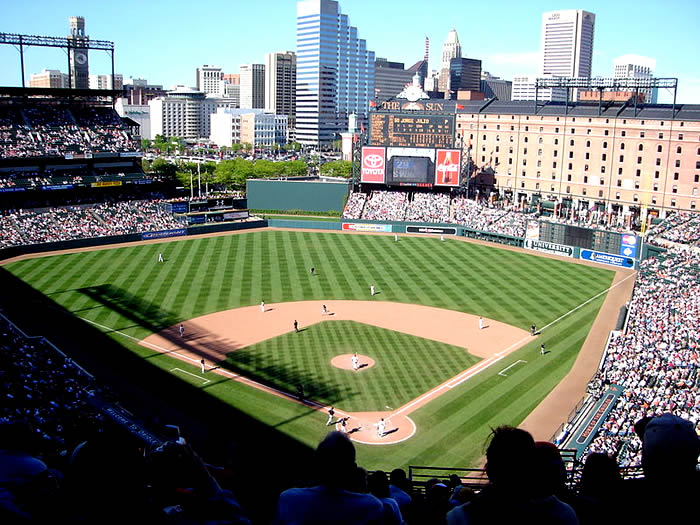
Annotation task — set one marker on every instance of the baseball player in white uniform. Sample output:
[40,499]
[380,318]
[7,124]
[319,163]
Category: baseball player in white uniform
[204,368]
[160,257]
[355,362]
[262,306]
[331,413]
[481,323]
[371,290]
[182,330]
[381,426]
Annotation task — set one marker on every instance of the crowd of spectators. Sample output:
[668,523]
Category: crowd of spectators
[46,130]
[63,460]
[79,222]
[355,205]
[437,208]
[429,207]
[386,206]
[657,358]
[680,227]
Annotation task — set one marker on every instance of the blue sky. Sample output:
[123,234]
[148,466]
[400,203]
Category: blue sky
[164,41]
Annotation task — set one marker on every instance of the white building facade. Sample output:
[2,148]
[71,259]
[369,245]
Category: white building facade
[636,66]
[252,86]
[252,126]
[105,82]
[208,79]
[524,89]
[49,78]
[184,113]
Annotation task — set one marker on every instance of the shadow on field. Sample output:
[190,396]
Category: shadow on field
[260,456]
[209,346]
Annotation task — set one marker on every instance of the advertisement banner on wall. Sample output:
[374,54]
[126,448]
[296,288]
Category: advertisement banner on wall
[533,230]
[373,164]
[549,247]
[366,227]
[607,258]
[431,230]
[628,246]
[447,167]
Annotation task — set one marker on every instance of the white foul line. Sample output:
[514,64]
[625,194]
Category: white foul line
[189,373]
[589,300]
[510,366]
[221,371]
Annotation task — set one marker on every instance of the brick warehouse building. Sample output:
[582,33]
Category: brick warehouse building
[584,155]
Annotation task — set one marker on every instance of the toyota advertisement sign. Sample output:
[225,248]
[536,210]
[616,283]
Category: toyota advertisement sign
[373,164]
[447,167]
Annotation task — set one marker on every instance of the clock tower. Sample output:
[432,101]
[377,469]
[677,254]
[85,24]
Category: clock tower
[78,53]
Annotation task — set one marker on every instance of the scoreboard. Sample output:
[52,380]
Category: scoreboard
[597,240]
[412,130]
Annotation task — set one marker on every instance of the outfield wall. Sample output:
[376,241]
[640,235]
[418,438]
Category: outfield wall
[284,195]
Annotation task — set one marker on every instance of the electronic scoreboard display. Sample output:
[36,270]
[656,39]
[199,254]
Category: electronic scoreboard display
[410,171]
[411,130]
[597,240]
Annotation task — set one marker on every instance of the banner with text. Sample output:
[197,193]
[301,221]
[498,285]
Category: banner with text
[164,233]
[365,227]
[607,258]
[549,247]
[373,165]
[431,230]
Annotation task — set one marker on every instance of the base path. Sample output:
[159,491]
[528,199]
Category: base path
[211,337]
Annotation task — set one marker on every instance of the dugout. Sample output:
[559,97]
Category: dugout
[286,195]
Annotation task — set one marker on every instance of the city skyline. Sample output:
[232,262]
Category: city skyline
[165,42]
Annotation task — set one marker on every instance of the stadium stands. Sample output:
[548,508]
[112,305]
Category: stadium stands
[61,224]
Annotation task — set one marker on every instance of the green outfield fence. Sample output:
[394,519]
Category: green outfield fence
[285,195]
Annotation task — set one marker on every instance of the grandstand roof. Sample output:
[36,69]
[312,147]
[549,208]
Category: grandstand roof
[12,91]
[584,109]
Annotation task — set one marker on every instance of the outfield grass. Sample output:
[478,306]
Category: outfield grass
[126,290]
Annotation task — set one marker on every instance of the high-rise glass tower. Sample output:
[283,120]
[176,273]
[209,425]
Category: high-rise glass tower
[335,72]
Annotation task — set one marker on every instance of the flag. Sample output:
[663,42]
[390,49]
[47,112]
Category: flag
[362,127]
[460,106]
[354,138]
[372,104]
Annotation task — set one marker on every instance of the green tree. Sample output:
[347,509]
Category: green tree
[337,145]
[294,168]
[146,144]
[337,168]
[161,143]
[233,173]
[293,146]
[146,165]
[265,169]
[164,169]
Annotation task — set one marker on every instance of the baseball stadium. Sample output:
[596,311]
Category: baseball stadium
[418,316]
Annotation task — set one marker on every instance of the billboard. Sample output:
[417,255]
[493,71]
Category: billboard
[431,230]
[607,258]
[366,227]
[447,167]
[412,130]
[549,247]
[373,164]
[628,245]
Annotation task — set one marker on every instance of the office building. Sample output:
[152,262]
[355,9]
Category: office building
[248,126]
[335,72]
[139,92]
[281,84]
[494,87]
[208,79]
[105,82]
[567,44]
[49,78]
[252,86]
[139,113]
[465,75]
[450,49]
[524,89]
[635,66]
[185,113]
[389,79]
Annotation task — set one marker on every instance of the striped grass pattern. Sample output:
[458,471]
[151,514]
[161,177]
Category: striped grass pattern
[127,290]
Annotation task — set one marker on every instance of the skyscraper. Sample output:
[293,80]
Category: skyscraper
[635,66]
[78,55]
[450,49]
[567,43]
[252,85]
[281,84]
[389,79]
[208,79]
[335,72]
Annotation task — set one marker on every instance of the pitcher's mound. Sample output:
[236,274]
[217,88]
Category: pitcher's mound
[344,362]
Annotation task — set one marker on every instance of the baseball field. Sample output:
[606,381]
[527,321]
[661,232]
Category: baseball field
[439,378]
